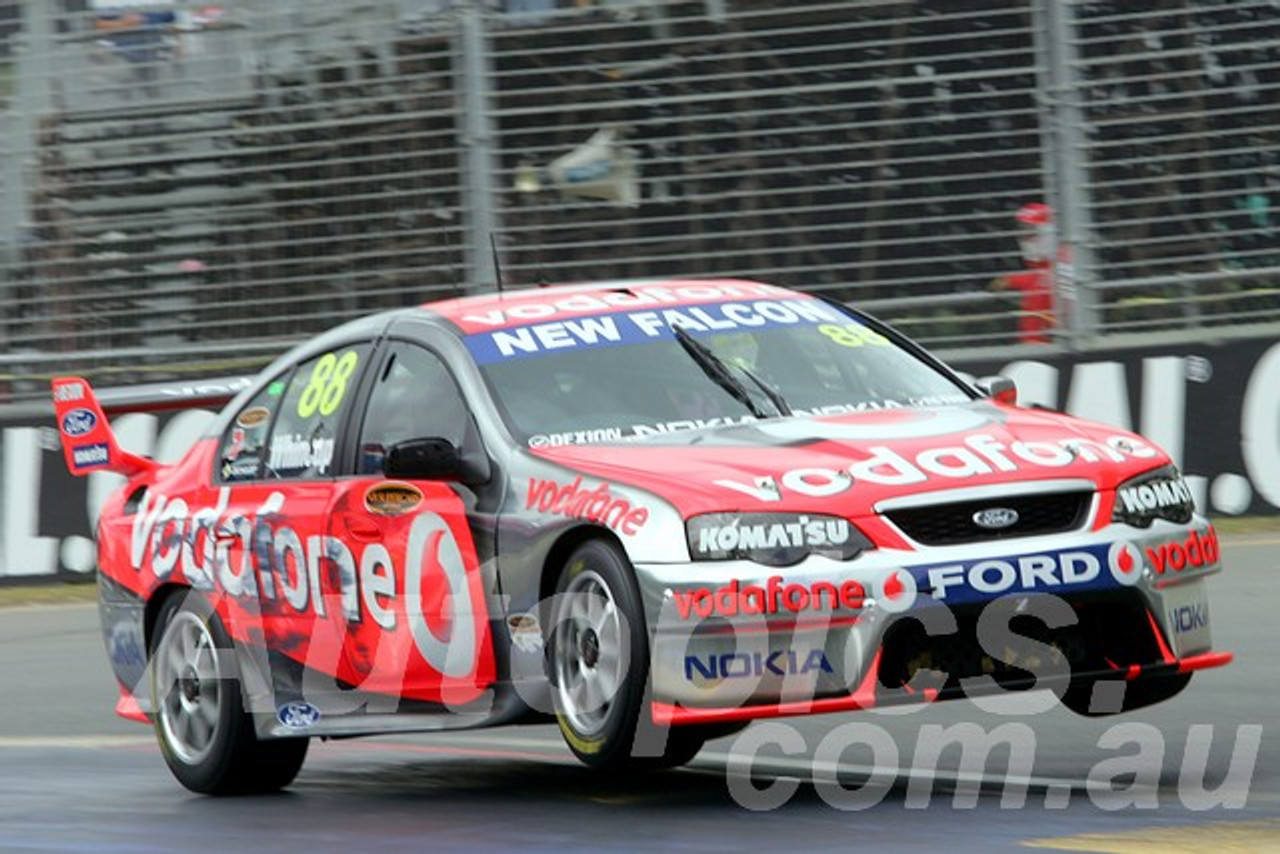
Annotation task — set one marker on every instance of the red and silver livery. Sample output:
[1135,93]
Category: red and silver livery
[653,511]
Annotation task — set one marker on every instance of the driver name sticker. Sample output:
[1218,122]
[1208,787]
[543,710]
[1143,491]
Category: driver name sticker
[294,452]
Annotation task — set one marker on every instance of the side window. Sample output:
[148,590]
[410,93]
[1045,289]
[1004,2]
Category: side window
[414,397]
[304,436]
[243,447]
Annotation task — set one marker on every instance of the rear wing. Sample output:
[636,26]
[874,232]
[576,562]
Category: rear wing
[88,442]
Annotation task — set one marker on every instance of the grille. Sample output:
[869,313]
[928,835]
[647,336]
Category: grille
[948,524]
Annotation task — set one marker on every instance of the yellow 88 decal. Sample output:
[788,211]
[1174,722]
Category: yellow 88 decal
[328,384]
[853,335]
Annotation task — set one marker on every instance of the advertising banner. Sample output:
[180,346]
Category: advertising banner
[1214,407]
[47,516]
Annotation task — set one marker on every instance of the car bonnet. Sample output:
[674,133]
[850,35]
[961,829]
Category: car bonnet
[846,464]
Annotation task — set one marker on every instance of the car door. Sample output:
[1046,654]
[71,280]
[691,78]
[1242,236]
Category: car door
[275,477]
[420,629]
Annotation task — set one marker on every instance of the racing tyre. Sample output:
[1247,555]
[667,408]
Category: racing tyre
[599,663]
[206,737]
[1146,692]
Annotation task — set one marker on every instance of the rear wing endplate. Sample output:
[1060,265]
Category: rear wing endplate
[88,442]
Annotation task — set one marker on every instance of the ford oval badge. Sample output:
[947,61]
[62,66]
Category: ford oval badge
[79,422]
[996,518]
[298,715]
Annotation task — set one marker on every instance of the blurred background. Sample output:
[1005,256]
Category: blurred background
[188,187]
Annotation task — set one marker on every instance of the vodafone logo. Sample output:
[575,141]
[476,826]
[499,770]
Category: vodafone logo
[896,591]
[1125,563]
[774,596]
[1195,552]
[579,502]
[976,455]
[444,612]
[433,555]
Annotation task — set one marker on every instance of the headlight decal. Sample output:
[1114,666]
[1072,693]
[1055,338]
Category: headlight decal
[1161,494]
[773,539]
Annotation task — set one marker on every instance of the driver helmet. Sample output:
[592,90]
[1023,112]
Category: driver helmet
[735,348]
[1036,238]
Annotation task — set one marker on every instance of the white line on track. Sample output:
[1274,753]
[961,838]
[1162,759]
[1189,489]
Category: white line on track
[808,769]
[717,762]
[93,742]
[711,763]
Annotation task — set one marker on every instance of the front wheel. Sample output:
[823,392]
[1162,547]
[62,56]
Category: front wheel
[599,663]
[205,735]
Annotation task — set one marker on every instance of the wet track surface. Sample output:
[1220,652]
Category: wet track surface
[75,779]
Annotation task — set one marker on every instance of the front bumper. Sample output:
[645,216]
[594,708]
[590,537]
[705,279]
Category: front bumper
[734,640]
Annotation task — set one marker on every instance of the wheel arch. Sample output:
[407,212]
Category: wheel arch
[253,667]
[565,544]
[155,603]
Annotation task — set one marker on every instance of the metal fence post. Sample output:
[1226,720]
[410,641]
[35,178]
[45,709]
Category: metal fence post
[1069,176]
[14,147]
[32,98]
[477,100]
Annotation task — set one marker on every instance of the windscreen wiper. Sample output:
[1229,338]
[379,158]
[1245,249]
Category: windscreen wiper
[775,397]
[721,376]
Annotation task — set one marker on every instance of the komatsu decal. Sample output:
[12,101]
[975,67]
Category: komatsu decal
[802,531]
[1156,494]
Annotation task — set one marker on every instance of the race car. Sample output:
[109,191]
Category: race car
[652,511]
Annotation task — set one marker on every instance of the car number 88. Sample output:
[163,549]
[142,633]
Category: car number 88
[852,335]
[328,384]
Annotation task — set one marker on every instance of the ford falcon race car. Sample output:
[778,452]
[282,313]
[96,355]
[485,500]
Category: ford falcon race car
[653,511]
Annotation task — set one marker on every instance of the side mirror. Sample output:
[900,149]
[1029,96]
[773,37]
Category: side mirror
[998,388]
[434,458]
[430,458]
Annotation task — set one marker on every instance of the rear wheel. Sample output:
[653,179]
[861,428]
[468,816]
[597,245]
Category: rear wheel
[205,735]
[1079,697]
[599,662]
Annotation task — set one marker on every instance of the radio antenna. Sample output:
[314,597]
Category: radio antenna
[497,261]
[452,246]
[543,279]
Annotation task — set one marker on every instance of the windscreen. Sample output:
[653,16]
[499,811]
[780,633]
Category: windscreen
[623,375]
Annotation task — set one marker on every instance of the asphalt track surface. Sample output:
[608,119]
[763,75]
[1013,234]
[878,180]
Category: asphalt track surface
[73,778]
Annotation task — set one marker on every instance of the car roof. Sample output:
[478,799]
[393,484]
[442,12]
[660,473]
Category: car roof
[520,306]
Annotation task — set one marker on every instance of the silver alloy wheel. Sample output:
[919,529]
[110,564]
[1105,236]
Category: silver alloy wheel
[188,679]
[590,662]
